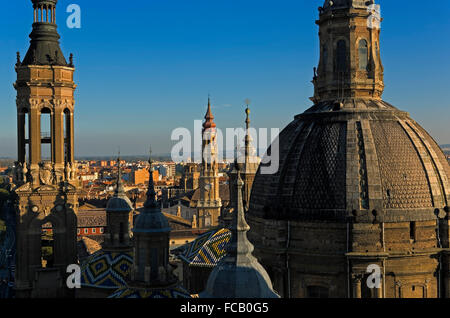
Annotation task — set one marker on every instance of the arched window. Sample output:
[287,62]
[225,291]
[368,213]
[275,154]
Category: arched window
[363,52]
[46,136]
[341,56]
[67,136]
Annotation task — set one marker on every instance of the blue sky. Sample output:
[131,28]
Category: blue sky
[146,68]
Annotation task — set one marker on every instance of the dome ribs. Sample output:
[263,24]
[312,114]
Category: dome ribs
[436,174]
[404,182]
[267,185]
[287,181]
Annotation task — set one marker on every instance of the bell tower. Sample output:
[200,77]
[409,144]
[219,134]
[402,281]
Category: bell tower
[350,64]
[209,205]
[45,176]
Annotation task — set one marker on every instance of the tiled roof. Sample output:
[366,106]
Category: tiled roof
[106,269]
[91,218]
[206,250]
[172,292]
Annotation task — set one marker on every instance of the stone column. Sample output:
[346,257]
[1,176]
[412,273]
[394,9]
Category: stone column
[58,137]
[71,137]
[35,137]
[356,285]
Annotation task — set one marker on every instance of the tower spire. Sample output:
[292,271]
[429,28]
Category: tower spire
[209,118]
[119,186]
[150,203]
[44,45]
[249,150]
[239,274]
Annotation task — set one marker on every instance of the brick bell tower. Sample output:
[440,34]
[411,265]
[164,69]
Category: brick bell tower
[45,176]
[209,205]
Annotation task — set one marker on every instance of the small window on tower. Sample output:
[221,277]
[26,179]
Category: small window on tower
[363,55]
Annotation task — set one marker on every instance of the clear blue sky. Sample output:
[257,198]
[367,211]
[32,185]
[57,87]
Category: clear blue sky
[144,67]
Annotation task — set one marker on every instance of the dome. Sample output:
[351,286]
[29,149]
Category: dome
[231,281]
[119,204]
[176,291]
[361,157]
[239,274]
[151,221]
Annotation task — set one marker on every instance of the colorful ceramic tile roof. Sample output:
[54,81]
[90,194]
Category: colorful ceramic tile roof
[172,292]
[105,269]
[206,250]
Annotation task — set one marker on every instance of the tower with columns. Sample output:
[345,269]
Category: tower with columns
[209,205]
[45,173]
[350,63]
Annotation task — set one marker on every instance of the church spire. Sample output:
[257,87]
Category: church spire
[249,149]
[150,203]
[239,250]
[239,274]
[152,232]
[209,118]
[119,184]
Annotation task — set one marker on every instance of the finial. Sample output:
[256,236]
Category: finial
[119,187]
[247,112]
[151,193]
[18,59]
[71,60]
[209,118]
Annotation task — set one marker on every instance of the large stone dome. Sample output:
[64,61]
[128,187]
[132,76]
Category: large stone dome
[363,158]
[359,183]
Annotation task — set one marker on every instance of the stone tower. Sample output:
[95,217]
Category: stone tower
[151,245]
[209,205]
[248,165]
[350,63]
[46,184]
[239,274]
[361,188]
[119,218]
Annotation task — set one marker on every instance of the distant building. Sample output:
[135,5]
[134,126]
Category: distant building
[140,176]
[190,177]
